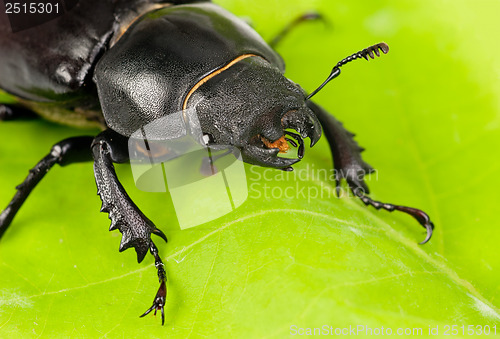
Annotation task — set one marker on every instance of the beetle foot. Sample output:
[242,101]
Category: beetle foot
[161,295]
[159,302]
[419,215]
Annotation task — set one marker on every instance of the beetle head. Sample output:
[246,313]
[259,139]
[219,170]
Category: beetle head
[252,106]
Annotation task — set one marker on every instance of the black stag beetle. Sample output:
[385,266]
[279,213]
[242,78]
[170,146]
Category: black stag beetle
[120,65]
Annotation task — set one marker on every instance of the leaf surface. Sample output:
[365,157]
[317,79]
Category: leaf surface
[293,254]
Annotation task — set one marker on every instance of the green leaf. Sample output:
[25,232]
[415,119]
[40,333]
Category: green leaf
[428,114]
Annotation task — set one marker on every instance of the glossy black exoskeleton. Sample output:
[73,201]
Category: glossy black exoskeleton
[121,65]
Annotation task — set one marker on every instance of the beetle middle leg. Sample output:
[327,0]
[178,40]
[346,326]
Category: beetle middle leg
[350,166]
[136,228]
[309,16]
[15,112]
[65,152]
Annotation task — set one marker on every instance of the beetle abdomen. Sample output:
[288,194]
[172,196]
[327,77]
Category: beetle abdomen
[52,61]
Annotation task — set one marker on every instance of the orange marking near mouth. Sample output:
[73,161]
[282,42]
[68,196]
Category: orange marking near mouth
[281,144]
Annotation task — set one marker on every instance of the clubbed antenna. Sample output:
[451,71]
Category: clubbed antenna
[365,53]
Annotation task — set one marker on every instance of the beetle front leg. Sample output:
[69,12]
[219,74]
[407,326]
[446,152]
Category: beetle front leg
[419,215]
[350,166]
[136,228]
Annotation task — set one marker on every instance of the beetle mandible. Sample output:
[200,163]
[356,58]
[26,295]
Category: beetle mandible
[100,62]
